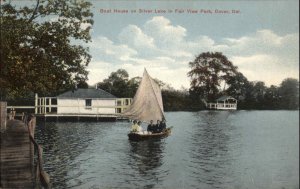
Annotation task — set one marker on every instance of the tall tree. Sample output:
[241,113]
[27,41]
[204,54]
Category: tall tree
[119,84]
[208,71]
[271,97]
[289,93]
[40,45]
[133,85]
[237,86]
[259,90]
[116,83]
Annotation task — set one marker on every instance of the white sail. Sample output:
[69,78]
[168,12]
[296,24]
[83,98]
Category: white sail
[147,103]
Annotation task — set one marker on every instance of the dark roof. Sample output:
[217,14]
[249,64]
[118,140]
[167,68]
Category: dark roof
[222,98]
[86,93]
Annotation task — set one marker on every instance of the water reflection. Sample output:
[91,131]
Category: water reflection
[209,149]
[62,143]
[147,158]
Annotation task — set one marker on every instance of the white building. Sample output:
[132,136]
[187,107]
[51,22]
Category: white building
[223,103]
[86,101]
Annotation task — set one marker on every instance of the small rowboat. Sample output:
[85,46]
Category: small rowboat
[140,136]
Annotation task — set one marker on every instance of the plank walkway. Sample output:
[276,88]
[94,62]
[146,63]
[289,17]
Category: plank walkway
[16,155]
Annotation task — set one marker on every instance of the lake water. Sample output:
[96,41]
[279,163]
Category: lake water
[207,149]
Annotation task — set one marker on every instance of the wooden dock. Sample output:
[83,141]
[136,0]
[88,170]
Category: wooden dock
[18,166]
[77,117]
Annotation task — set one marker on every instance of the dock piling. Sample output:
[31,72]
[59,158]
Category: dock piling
[3,115]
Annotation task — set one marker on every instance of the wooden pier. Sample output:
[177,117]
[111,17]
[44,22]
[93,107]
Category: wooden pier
[77,117]
[21,164]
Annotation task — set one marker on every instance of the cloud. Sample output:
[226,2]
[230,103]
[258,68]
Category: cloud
[134,36]
[265,56]
[169,39]
[263,41]
[106,50]
[161,29]
[265,68]
[165,50]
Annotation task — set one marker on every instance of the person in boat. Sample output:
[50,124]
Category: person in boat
[150,127]
[135,127]
[156,128]
[162,126]
[140,128]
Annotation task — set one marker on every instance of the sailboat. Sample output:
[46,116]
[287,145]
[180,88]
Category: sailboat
[147,105]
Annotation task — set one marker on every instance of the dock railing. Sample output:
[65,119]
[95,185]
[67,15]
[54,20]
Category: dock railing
[41,177]
[219,106]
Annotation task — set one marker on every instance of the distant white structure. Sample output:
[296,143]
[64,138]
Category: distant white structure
[223,103]
[88,101]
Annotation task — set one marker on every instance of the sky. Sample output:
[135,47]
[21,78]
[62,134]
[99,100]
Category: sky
[261,38]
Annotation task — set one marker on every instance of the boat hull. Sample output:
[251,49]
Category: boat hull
[139,137]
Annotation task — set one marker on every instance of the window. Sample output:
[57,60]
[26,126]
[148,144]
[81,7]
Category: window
[88,103]
[119,103]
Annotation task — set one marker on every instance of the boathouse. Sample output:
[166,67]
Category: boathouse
[223,103]
[86,101]
[91,104]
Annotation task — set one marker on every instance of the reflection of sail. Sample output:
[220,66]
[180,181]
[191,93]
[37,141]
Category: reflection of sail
[147,103]
[146,160]
[148,155]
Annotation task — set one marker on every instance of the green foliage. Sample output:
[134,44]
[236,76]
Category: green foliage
[207,73]
[133,85]
[258,96]
[289,93]
[238,86]
[179,100]
[250,95]
[271,98]
[209,70]
[40,49]
[117,84]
